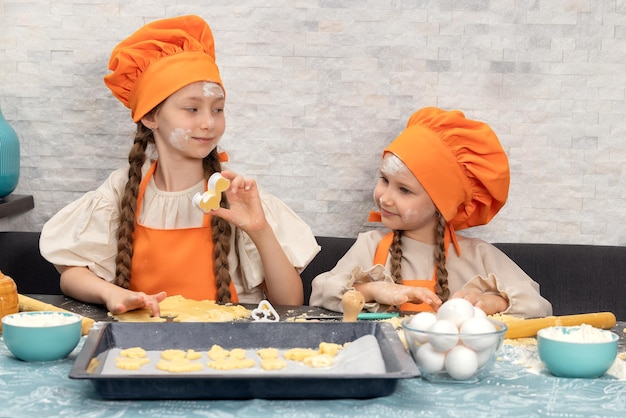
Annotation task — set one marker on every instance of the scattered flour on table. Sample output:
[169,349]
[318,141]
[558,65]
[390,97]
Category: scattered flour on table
[523,352]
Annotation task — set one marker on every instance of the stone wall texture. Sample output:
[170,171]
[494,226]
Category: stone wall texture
[317,88]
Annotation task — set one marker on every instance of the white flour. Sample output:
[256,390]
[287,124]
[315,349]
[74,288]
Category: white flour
[582,334]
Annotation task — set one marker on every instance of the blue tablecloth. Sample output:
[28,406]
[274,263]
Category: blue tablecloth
[517,386]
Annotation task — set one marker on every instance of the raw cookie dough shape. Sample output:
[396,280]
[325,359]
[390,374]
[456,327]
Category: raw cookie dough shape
[131,363]
[181,309]
[175,354]
[231,363]
[273,364]
[178,365]
[267,353]
[133,352]
[319,360]
[299,354]
[217,352]
[210,200]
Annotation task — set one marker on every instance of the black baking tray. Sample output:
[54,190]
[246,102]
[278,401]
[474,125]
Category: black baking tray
[201,336]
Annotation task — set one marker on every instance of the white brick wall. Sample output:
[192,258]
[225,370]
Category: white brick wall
[317,88]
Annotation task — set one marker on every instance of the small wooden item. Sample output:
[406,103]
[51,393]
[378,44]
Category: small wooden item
[8,297]
[352,303]
[523,328]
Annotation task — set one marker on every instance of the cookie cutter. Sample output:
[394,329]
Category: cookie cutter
[210,200]
[265,312]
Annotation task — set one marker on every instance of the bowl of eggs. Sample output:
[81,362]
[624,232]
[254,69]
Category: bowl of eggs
[577,351]
[41,336]
[458,344]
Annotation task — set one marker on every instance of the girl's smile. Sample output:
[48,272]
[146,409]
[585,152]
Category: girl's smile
[404,204]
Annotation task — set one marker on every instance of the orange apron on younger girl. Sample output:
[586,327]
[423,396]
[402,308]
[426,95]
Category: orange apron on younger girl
[178,261]
[382,252]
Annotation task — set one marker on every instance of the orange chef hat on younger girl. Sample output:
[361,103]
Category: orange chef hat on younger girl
[459,162]
[159,59]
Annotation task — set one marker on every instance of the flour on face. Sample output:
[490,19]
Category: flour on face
[179,138]
[393,165]
[210,89]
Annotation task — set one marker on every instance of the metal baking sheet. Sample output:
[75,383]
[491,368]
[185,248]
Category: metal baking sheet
[241,385]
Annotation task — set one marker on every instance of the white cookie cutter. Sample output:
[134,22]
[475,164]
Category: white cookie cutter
[210,200]
[265,312]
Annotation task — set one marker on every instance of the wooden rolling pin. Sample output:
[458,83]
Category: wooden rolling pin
[528,327]
[28,304]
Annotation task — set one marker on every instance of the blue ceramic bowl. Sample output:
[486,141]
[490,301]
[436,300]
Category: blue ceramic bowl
[41,336]
[573,358]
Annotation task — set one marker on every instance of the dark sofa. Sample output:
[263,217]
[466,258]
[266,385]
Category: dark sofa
[575,278]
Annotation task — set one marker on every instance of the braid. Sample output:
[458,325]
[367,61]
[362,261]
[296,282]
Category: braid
[441,275]
[222,232]
[396,257]
[136,159]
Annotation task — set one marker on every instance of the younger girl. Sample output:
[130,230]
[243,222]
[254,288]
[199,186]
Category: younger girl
[140,231]
[442,174]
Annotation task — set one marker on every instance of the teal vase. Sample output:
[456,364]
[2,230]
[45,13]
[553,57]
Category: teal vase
[9,158]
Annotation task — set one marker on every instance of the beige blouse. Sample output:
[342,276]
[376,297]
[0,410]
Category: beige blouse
[84,232]
[481,267]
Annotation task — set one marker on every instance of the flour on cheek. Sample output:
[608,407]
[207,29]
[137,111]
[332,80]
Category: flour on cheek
[410,216]
[179,138]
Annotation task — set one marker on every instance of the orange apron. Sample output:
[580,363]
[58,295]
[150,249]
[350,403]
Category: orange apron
[178,261]
[382,252]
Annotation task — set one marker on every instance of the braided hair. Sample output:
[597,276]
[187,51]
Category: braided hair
[222,230]
[441,273]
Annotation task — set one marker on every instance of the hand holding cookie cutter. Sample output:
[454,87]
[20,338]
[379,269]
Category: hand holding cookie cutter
[210,200]
[265,312]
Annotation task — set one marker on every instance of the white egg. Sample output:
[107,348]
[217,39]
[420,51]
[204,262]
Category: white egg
[421,322]
[430,360]
[483,356]
[443,335]
[479,312]
[472,333]
[457,310]
[461,363]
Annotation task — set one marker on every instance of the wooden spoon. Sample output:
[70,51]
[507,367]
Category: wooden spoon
[352,303]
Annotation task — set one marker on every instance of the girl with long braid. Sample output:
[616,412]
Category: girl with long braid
[443,173]
[140,230]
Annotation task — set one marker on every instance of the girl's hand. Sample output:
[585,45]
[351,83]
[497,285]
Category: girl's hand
[126,300]
[395,294]
[490,303]
[245,209]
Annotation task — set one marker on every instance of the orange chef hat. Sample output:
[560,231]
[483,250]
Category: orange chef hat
[459,162]
[159,59]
